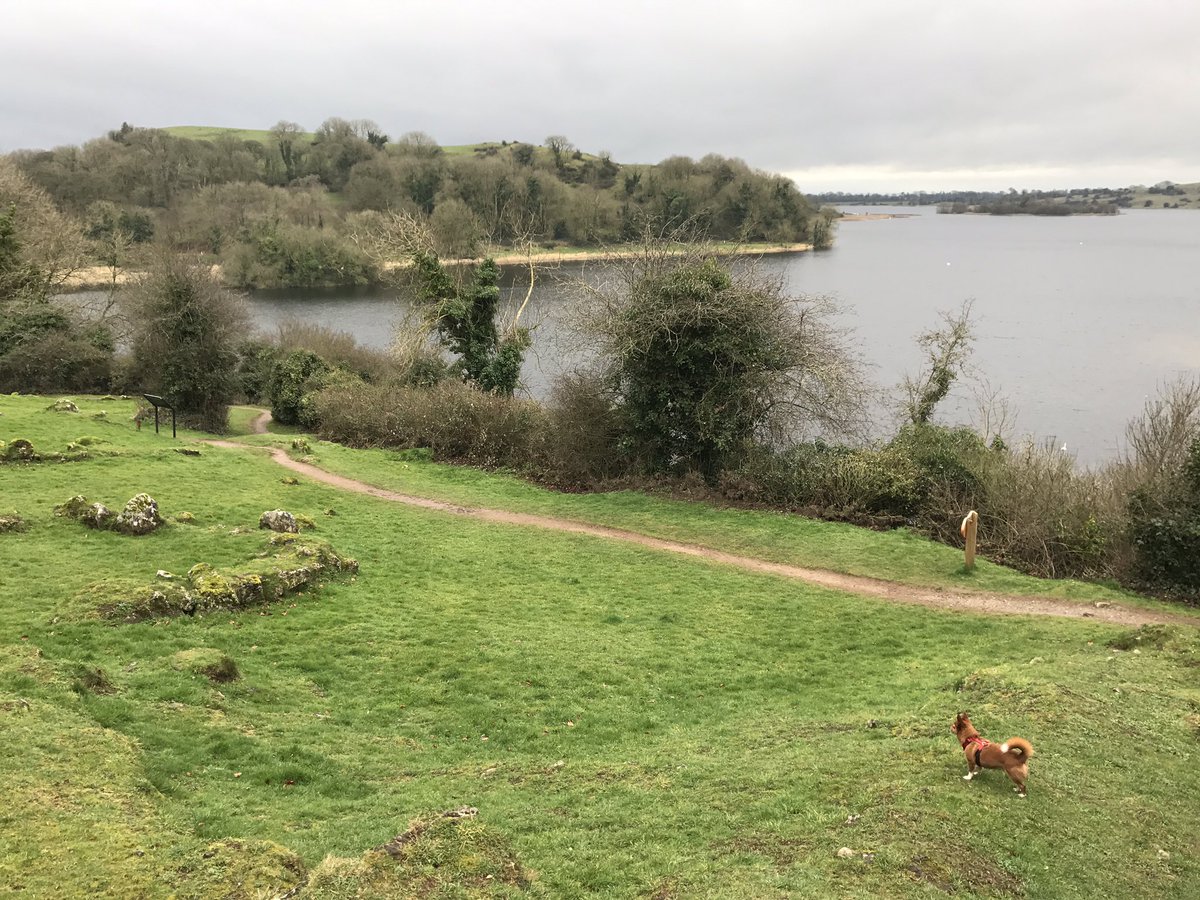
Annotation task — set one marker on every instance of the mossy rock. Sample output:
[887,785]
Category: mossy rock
[207,661]
[131,601]
[75,508]
[184,518]
[278,520]
[289,480]
[305,522]
[88,441]
[1157,637]
[11,522]
[451,855]
[78,509]
[139,516]
[97,516]
[234,869]
[63,405]
[280,571]
[19,450]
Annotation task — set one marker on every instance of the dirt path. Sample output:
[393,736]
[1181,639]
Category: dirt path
[259,425]
[894,592]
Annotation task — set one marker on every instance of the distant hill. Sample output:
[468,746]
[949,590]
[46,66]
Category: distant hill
[1163,195]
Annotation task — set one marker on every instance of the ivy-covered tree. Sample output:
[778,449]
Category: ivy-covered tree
[186,331]
[464,317]
[703,361]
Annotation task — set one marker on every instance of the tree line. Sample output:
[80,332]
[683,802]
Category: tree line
[283,207]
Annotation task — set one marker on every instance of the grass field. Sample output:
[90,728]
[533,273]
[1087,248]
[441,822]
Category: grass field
[212,132]
[628,724]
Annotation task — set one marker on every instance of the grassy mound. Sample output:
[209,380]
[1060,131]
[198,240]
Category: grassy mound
[287,567]
[451,855]
[207,661]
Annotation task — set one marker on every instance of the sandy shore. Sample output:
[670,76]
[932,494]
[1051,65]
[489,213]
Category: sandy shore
[101,277]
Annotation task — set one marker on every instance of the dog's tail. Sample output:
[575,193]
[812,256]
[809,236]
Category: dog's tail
[1018,747]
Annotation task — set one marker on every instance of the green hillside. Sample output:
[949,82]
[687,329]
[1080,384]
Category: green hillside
[624,722]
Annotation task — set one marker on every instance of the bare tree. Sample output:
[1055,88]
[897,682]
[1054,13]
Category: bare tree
[47,248]
[946,352]
[1160,439]
[418,143]
[560,147]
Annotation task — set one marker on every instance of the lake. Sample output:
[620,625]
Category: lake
[1077,319]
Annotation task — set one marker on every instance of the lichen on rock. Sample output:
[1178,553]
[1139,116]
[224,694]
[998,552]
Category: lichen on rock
[63,405]
[19,450]
[140,516]
[283,569]
[278,520]
[11,522]
[97,516]
[73,508]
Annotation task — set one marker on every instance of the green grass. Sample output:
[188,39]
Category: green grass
[652,723]
[899,555]
[212,132]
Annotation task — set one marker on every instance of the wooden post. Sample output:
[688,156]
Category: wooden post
[969,528]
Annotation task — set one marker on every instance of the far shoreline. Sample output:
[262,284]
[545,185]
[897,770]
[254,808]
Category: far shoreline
[95,278]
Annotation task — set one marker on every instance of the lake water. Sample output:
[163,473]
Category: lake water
[1077,319]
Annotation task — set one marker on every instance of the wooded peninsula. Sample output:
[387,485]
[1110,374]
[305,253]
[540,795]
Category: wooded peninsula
[282,207]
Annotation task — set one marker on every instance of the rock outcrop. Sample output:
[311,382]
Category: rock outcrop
[279,520]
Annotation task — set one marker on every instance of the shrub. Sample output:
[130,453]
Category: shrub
[291,378]
[839,482]
[705,361]
[54,361]
[256,361]
[1165,531]
[1036,512]
[456,421]
[586,432]
[293,256]
[338,348]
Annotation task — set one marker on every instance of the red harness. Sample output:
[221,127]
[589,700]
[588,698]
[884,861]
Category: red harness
[979,743]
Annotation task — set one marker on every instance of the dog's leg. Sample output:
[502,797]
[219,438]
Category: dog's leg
[1018,777]
[971,773]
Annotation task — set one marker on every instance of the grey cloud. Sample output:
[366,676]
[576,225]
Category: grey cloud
[1077,86]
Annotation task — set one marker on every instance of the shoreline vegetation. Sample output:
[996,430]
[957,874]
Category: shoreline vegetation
[92,278]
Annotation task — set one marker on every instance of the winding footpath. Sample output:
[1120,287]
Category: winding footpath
[893,592]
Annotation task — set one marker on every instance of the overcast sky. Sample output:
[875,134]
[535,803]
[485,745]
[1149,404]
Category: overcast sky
[840,94]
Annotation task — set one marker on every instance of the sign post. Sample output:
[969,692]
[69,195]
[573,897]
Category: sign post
[969,530]
[157,401]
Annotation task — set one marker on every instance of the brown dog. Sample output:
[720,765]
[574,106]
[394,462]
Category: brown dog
[1012,756]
